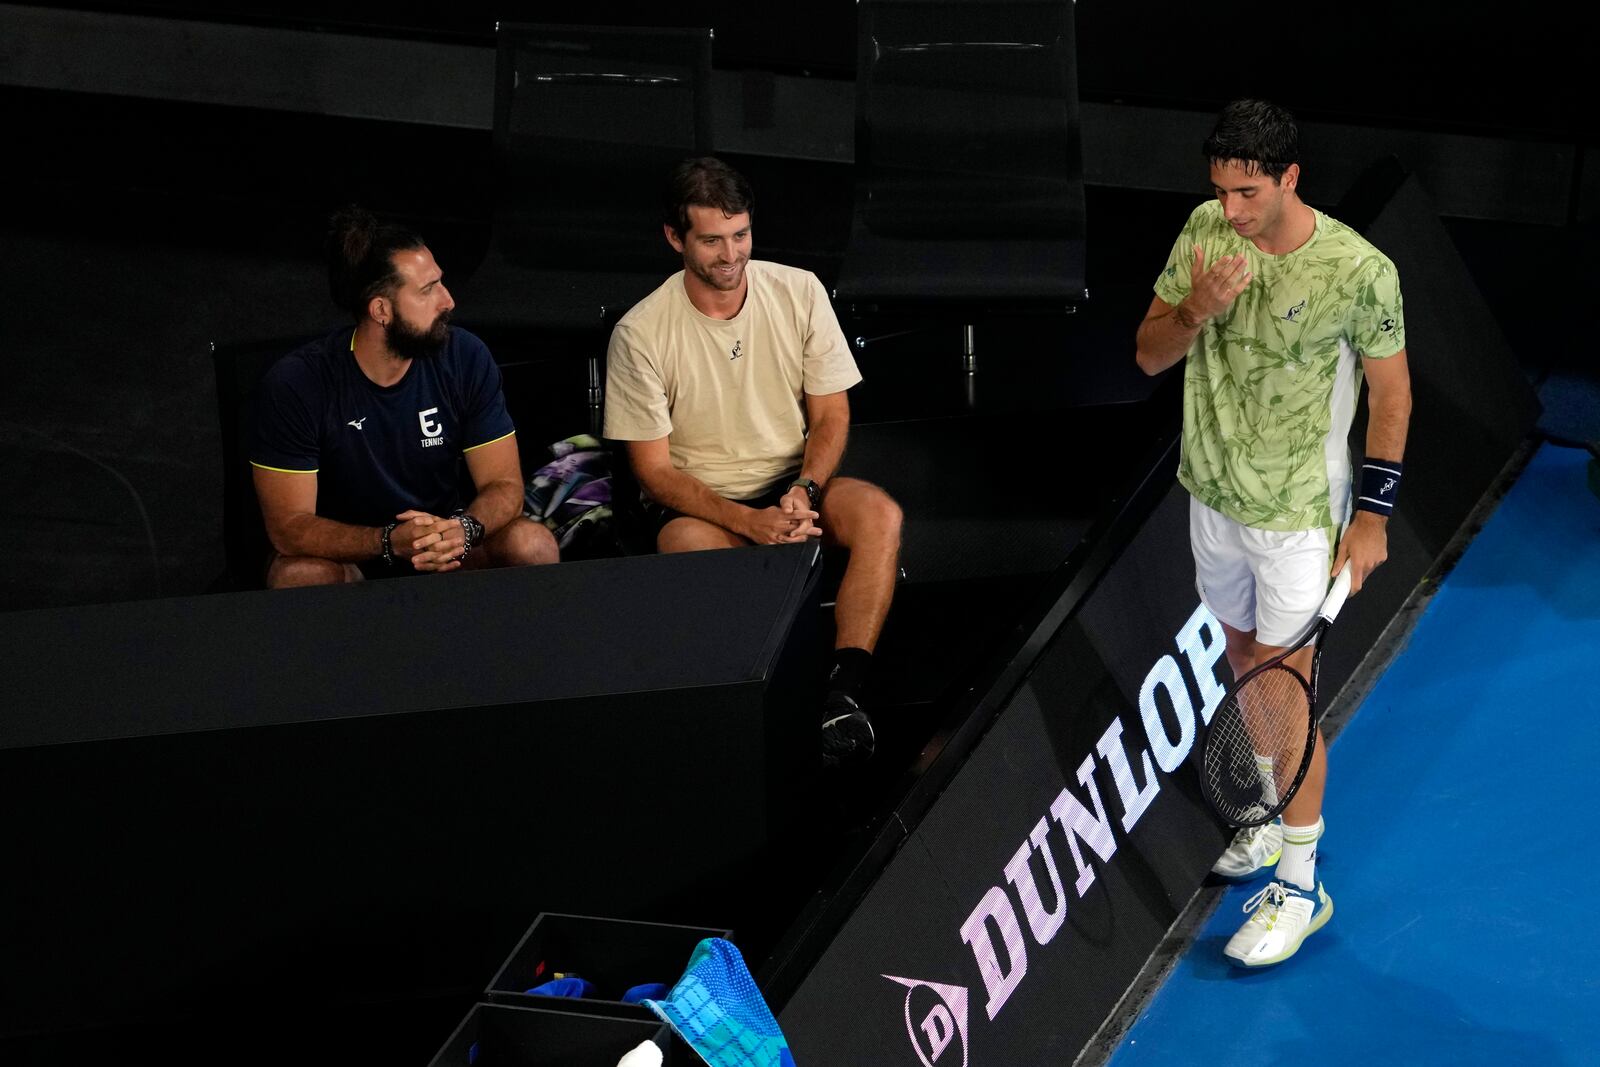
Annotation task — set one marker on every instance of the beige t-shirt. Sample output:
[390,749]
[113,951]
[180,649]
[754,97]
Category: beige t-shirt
[728,393]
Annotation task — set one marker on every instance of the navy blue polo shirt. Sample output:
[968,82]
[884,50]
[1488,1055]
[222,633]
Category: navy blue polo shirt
[379,450]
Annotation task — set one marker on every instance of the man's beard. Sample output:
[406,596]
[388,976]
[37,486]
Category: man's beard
[711,278]
[407,342]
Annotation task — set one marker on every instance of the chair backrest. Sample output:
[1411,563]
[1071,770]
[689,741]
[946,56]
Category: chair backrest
[968,139]
[588,121]
[239,367]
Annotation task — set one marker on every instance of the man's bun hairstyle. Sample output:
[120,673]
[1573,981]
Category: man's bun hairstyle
[361,250]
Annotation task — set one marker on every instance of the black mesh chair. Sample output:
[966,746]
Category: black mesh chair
[588,122]
[969,174]
[239,368]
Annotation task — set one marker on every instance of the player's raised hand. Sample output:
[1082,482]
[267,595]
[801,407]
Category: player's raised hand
[1213,289]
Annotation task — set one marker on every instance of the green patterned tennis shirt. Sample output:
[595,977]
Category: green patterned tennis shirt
[1271,385]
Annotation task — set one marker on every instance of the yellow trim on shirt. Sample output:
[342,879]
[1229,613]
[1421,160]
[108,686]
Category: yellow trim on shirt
[502,437]
[283,470]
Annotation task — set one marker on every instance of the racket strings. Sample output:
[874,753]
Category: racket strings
[1258,742]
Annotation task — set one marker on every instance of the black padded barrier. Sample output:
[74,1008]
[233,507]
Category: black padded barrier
[259,803]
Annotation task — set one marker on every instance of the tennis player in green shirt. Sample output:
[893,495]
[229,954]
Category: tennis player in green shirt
[1278,311]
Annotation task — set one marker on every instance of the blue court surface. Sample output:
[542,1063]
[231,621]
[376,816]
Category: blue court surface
[1461,824]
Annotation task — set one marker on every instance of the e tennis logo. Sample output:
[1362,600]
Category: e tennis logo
[936,1018]
[432,432]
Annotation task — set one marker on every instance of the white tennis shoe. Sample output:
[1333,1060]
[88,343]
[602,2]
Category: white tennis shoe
[1252,851]
[1282,916]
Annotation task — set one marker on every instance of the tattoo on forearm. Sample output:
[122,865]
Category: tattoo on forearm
[1181,316]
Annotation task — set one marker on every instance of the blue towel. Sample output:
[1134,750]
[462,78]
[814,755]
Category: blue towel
[564,987]
[718,1010]
[646,991]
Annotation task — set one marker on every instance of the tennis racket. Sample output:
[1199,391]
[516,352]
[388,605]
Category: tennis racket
[1261,739]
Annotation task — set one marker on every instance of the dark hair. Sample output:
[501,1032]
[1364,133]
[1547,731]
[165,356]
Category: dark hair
[1260,136]
[706,182]
[361,252]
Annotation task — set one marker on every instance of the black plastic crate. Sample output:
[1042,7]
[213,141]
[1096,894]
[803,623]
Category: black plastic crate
[613,954]
[502,1035]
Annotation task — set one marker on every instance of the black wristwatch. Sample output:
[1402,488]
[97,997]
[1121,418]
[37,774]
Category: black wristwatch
[813,490]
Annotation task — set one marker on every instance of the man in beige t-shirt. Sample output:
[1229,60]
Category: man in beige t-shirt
[728,383]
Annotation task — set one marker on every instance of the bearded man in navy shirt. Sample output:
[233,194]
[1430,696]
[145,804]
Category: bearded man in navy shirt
[359,438]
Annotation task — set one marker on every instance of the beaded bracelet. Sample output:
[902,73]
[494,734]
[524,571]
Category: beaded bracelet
[388,551]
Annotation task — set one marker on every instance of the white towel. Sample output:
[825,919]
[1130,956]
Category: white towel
[648,1054]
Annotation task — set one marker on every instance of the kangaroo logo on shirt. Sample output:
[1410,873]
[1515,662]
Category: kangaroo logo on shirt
[738,350]
[1293,314]
[433,432]
[357,422]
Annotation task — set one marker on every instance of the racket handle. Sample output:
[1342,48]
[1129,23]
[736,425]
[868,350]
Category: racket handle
[1337,595]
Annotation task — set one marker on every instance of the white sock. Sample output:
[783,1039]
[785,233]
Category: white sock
[1269,781]
[1299,862]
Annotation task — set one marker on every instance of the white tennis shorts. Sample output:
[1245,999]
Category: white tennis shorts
[1269,581]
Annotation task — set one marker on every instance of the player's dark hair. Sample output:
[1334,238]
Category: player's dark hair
[361,250]
[1262,137]
[705,182]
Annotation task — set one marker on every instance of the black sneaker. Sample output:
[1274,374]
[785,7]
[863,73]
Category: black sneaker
[847,737]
